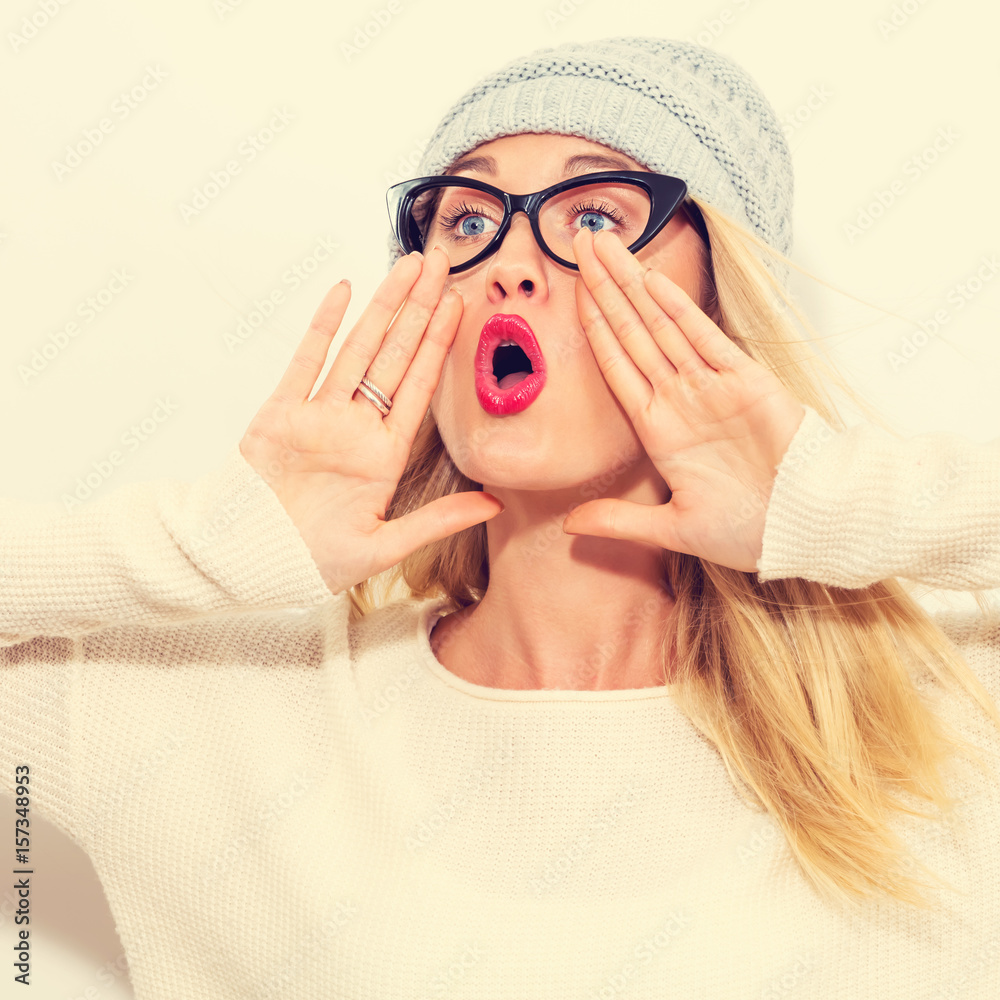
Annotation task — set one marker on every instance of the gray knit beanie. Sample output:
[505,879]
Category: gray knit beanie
[675,108]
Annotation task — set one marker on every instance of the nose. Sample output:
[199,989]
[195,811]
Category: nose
[517,264]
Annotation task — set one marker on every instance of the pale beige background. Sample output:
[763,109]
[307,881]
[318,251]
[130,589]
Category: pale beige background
[360,120]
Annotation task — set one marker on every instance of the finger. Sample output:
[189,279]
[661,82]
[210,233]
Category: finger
[717,350]
[421,379]
[310,355]
[440,518]
[629,274]
[619,371]
[362,343]
[611,517]
[622,317]
[404,336]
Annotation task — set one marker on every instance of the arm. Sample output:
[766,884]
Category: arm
[151,553]
[848,509]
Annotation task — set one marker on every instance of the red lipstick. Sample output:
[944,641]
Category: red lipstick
[518,392]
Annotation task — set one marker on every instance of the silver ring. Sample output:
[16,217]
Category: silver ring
[375,395]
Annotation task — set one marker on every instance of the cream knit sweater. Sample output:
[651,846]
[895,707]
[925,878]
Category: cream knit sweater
[280,804]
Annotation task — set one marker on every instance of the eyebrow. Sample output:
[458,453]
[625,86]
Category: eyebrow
[574,165]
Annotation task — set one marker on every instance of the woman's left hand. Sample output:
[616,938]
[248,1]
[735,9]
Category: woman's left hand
[713,421]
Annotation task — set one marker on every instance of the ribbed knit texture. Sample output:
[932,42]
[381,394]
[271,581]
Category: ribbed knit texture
[280,804]
[676,108]
[832,488]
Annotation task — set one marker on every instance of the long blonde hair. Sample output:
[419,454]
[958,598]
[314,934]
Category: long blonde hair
[804,689]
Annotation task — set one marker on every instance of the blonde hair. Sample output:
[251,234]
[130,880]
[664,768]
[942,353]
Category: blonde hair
[804,689]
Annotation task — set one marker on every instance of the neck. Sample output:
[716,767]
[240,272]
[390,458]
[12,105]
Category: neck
[561,611]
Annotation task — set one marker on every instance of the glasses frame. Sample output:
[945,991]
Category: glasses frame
[666,195]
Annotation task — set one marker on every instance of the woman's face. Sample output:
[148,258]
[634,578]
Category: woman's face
[575,431]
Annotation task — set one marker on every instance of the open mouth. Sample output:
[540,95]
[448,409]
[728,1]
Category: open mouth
[510,364]
[509,368]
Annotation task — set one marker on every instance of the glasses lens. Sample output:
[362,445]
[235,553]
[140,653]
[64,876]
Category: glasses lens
[464,220]
[622,209]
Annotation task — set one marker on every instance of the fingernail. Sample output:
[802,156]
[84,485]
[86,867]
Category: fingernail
[345,281]
[416,253]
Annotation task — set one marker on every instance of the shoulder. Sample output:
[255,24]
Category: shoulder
[396,625]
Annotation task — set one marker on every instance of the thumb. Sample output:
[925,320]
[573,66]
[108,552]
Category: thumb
[615,518]
[436,520]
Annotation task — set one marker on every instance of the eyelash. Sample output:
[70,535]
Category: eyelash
[459,213]
[450,221]
[605,209]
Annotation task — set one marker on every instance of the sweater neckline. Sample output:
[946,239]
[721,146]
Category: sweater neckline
[435,608]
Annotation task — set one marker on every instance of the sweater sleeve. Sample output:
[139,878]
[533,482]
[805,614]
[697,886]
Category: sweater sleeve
[849,509]
[152,553]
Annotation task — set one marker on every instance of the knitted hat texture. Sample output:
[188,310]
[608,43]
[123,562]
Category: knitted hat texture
[674,107]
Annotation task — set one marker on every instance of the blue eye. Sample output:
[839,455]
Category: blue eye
[597,221]
[463,223]
[595,211]
[459,218]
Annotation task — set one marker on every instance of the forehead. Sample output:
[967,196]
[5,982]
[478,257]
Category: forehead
[539,158]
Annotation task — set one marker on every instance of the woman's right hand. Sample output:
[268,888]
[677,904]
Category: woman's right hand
[333,460]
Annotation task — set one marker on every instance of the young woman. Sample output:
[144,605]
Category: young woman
[653,716]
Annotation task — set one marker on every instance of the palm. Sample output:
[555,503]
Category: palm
[710,440]
[714,422]
[349,476]
[332,458]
